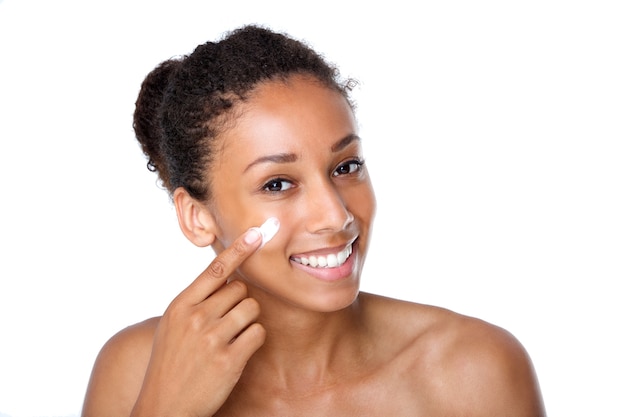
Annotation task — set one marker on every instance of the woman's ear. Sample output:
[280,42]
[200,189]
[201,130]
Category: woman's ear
[194,218]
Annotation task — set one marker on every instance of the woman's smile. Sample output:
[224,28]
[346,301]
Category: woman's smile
[331,260]
[328,264]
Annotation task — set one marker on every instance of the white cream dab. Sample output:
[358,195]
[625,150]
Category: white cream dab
[268,230]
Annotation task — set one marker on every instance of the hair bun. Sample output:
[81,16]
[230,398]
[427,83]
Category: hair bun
[147,120]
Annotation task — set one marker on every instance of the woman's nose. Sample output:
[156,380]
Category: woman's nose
[328,210]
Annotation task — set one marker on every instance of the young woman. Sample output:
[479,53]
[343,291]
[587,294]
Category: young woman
[259,126]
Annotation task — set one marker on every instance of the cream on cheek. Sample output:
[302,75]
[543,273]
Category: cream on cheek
[268,230]
[236,224]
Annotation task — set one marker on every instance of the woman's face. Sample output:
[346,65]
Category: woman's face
[294,154]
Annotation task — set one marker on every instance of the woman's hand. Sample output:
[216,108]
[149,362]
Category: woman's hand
[203,340]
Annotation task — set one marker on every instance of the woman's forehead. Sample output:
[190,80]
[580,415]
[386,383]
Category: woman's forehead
[287,116]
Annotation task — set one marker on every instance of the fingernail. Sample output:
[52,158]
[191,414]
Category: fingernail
[252,235]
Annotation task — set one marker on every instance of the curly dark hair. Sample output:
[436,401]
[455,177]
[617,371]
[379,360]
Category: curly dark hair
[185,103]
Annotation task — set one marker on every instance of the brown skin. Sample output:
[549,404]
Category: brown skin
[288,343]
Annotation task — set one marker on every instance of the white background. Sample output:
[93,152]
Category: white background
[495,134]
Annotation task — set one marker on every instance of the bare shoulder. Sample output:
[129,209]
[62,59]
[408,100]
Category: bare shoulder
[485,370]
[465,365]
[119,370]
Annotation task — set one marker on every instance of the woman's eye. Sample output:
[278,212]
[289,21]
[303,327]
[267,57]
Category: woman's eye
[277,185]
[348,168]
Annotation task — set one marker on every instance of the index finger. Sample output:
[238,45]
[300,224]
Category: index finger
[224,264]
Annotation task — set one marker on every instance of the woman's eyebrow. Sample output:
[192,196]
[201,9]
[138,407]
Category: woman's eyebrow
[343,142]
[279,158]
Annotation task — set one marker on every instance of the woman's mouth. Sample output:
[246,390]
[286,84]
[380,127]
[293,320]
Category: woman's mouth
[331,260]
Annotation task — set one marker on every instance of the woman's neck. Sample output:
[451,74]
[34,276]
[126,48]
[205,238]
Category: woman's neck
[306,348]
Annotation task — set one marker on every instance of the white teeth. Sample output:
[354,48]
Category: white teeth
[330,261]
[342,256]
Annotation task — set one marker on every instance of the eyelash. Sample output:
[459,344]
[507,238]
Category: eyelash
[268,185]
[357,161]
[358,164]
